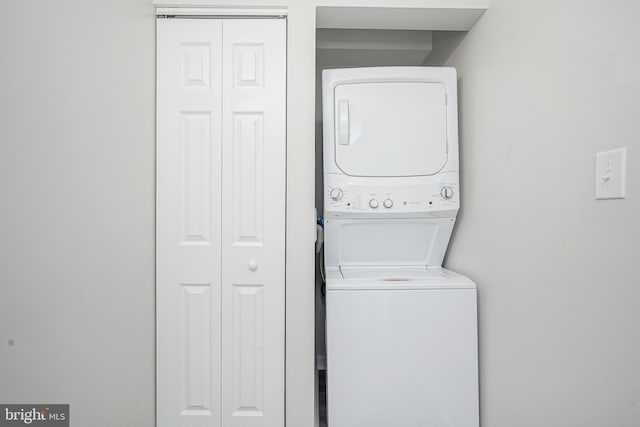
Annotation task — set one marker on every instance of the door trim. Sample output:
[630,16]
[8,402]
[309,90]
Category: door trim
[214,12]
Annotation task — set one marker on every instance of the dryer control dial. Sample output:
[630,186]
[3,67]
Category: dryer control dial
[388,203]
[335,194]
[373,203]
[446,192]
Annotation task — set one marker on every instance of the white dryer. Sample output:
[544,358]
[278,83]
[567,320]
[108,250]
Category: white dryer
[401,330]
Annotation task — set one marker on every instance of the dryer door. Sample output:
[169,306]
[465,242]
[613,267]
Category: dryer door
[390,128]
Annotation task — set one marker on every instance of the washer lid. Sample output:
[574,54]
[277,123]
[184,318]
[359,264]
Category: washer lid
[393,274]
[395,279]
[390,129]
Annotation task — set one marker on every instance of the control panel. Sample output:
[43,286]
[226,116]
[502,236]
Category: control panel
[387,199]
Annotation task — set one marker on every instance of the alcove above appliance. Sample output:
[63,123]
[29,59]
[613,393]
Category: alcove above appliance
[363,36]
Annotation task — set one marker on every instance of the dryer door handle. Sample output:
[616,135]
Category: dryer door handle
[343,122]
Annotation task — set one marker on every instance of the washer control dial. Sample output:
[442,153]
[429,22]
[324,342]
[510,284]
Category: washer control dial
[446,192]
[335,194]
[373,203]
[388,203]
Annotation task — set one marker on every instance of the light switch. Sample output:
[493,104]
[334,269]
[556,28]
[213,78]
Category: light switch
[611,174]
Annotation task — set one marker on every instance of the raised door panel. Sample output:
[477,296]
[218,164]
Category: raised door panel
[188,241]
[253,216]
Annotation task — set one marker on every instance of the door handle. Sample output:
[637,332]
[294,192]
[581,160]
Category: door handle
[343,122]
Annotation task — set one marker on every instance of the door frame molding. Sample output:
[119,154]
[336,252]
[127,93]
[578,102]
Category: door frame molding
[215,12]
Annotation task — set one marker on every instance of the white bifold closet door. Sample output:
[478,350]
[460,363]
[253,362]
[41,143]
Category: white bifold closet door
[221,88]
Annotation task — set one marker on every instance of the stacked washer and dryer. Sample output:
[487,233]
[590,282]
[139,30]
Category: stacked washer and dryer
[401,330]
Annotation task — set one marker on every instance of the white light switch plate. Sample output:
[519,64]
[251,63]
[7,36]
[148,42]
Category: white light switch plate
[611,174]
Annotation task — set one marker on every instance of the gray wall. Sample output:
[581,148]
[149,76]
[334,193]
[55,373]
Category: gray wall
[77,219]
[77,308]
[544,85]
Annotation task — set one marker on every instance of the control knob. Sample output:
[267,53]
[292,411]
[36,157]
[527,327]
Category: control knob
[446,192]
[335,194]
[373,203]
[388,203]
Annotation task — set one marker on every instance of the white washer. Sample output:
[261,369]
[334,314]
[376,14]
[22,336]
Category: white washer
[401,348]
[401,330]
